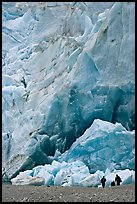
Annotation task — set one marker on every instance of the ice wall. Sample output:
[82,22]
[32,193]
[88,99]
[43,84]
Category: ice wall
[58,76]
[70,174]
[103,145]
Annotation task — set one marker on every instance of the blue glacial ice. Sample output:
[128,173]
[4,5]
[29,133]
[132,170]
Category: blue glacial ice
[58,77]
[103,145]
[70,174]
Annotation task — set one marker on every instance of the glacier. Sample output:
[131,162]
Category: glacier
[60,80]
[104,145]
[70,174]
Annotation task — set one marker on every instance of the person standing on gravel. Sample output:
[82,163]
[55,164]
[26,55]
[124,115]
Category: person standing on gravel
[118,180]
[113,183]
[103,180]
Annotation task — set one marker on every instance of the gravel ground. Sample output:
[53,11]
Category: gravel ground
[12,193]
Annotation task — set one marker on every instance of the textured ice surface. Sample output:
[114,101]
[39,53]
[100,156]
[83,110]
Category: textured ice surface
[70,174]
[104,145]
[58,76]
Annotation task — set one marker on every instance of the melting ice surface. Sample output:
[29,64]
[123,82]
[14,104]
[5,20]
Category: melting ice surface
[104,145]
[58,77]
[102,149]
[70,174]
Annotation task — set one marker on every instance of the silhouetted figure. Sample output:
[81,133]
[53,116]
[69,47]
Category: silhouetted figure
[113,183]
[118,180]
[103,180]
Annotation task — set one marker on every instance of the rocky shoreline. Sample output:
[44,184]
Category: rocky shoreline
[12,193]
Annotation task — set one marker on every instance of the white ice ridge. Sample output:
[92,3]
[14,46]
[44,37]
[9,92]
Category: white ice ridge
[70,174]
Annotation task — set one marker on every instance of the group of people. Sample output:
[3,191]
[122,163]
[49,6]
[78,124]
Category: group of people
[117,180]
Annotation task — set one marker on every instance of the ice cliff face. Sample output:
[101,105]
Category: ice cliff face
[104,145]
[63,67]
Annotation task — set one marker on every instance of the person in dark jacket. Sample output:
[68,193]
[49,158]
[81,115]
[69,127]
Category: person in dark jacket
[118,180]
[113,183]
[103,180]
